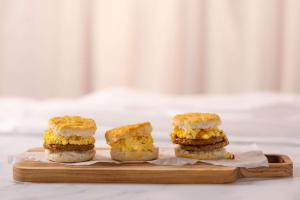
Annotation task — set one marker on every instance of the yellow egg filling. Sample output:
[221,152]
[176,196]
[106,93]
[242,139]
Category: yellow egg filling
[134,143]
[50,138]
[196,133]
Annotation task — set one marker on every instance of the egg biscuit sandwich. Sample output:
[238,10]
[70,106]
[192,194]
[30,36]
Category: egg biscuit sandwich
[70,139]
[132,142]
[199,137]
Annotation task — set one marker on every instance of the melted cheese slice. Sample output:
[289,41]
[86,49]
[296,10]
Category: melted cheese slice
[134,143]
[50,138]
[196,133]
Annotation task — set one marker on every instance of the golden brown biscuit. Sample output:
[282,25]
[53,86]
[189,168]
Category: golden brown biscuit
[139,129]
[132,142]
[72,125]
[70,139]
[196,120]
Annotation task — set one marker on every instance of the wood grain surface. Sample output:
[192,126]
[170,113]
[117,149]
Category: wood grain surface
[33,171]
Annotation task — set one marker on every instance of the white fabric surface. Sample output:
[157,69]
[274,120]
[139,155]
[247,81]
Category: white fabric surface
[270,120]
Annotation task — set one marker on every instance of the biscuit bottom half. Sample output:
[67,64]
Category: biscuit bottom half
[132,155]
[215,154]
[70,156]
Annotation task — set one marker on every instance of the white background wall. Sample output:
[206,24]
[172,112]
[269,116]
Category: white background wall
[52,48]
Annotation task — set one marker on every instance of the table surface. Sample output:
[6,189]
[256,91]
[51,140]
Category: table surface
[272,121]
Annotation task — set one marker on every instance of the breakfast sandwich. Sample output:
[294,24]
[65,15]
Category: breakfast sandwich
[199,137]
[132,142]
[70,139]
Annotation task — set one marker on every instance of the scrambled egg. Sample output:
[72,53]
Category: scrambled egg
[135,143]
[196,133]
[50,138]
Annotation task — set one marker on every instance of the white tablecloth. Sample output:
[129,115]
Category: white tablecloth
[272,121]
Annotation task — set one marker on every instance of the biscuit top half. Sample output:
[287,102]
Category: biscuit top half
[139,129]
[197,120]
[72,125]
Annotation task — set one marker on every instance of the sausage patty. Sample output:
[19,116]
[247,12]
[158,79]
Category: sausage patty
[207,147]
[68,147]
[197,142]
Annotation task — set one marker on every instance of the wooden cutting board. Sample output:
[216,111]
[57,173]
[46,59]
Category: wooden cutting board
[33,171]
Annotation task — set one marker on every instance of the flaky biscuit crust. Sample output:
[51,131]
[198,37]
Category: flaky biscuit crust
[139,129]
[72,123]
[196,120]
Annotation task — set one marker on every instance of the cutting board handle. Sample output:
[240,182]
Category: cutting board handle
[279,166]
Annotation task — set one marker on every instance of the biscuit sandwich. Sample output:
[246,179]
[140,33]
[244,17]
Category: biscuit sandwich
[132,142]
[70,139]
[199,137]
